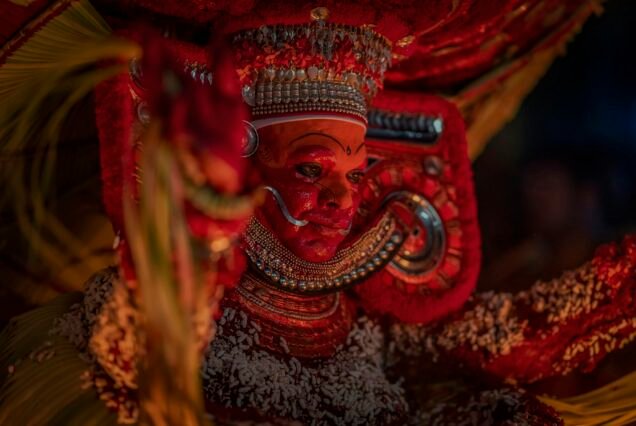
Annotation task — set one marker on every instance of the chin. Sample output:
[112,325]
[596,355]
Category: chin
[312,243]
[316,250]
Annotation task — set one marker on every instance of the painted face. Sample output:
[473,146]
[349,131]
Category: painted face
[316,165]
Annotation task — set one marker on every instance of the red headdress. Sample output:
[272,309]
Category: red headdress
[332,58]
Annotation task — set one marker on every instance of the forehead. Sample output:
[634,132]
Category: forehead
[280,140]
[320,131]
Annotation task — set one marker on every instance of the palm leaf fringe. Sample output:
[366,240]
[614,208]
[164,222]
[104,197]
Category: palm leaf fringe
[39,84]
[611,405]
[172,293]
[42,374]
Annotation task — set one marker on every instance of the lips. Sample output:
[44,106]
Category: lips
[337,220]
[329,232]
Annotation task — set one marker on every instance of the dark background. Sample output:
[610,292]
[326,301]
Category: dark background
[561,177]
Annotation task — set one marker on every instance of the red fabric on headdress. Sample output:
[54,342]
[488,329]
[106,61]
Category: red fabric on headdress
[486,34]
[437,44]
[114,114]
[216,128]
[443,45]
[383,293]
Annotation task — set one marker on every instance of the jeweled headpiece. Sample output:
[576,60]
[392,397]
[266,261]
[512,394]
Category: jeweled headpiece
[313,67]
[297,61]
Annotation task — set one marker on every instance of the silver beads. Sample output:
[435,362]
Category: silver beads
[298,277]
[298,94]
[199,73]
[404,126]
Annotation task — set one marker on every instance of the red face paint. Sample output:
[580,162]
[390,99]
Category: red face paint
[315,165]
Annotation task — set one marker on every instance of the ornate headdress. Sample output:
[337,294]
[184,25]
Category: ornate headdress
[294,60]
[322,59]
[317,67]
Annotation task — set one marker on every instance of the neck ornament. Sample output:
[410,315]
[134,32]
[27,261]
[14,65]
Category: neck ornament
[281,268]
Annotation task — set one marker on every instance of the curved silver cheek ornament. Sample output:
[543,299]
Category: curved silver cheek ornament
[283,208]
[416,264]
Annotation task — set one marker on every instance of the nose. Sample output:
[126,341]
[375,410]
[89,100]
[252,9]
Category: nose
[336,194]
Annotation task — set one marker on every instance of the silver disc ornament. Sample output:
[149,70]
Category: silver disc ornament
[250,140]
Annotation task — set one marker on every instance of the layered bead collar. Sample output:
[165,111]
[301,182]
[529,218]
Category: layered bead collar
[281,268]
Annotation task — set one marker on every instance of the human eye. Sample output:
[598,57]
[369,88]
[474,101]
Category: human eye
[309,170]
[355,176]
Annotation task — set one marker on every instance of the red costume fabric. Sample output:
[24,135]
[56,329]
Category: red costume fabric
[380,319]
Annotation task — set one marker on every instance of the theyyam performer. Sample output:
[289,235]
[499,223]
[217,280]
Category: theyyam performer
[295,220]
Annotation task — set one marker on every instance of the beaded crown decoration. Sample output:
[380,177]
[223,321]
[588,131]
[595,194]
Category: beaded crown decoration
[318,67]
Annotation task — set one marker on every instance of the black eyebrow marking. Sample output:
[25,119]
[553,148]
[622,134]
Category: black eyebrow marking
[359,147]
[317,134]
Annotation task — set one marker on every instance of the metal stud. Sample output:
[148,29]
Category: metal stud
[270,73]
[136,71]
[312,72]
[249,95]
[433,165]
[250,140]
[143,113]
[396,238]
